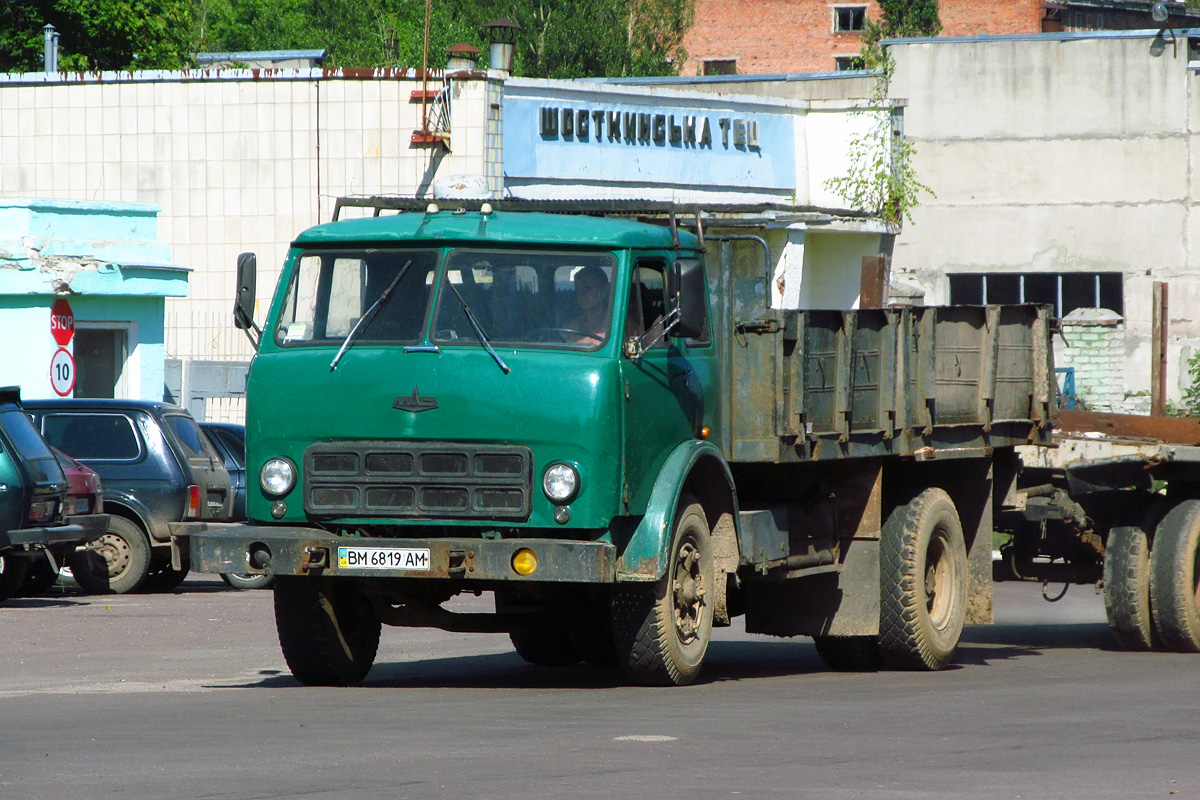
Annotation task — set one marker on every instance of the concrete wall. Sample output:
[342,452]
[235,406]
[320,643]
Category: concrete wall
[236,160]
[1056,154]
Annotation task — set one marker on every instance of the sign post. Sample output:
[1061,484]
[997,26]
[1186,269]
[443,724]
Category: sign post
[62,363]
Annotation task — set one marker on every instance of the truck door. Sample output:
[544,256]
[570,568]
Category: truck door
[663,401]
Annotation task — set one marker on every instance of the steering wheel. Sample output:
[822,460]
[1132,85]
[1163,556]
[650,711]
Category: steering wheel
[558,335]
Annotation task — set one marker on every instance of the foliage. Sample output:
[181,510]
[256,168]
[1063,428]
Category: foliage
[560,38]
[97,34]
[881,178]
[1191,393]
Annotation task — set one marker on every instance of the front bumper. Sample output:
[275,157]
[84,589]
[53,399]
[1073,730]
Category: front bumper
[79,529]
[227,548]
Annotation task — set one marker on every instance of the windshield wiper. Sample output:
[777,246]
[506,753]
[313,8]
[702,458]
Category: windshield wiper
[478,330]
[366,318]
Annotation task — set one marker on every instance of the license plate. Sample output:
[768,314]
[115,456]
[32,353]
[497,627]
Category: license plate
[414,558]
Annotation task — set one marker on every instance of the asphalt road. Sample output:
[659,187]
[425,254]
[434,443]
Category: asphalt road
[186,696]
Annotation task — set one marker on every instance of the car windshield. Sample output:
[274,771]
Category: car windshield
[526,299]
[330,292]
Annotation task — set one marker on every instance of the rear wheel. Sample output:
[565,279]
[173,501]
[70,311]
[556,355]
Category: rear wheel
[662,630]
[12,574]
[1174,575]
[39,578]
[328,631]
[547,647]
[1127,588]
[923,583]
[248,581]
[116,563]
[849,653]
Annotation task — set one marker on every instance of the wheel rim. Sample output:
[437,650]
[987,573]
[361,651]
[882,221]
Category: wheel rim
[939,579]
[116,552]
[688,592]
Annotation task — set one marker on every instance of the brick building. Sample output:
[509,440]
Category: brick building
[788,36]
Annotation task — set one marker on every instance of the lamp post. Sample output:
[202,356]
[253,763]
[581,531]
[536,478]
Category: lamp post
[503,37]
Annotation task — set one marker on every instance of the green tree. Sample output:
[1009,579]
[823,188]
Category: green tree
[97,34]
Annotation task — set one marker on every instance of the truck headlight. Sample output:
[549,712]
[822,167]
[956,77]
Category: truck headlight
[560,482]
[277,476]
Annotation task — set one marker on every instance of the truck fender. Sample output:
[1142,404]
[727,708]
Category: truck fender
[644,557]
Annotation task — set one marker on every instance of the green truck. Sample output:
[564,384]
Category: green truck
[600,420]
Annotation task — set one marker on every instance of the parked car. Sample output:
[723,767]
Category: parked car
[157,467]
[84,496]
[230,441]
[34,514]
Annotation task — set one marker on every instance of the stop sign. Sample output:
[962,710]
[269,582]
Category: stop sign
[62,322]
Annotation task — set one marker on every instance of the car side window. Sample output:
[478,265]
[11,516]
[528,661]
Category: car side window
[647,302]
[95,437]
[187,431]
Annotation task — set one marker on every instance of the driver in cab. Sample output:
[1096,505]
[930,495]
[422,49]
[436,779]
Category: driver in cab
[590,324]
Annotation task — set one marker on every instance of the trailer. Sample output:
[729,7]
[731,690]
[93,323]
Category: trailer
[1116,503]
[600,421]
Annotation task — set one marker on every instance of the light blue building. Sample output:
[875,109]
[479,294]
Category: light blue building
[83,288]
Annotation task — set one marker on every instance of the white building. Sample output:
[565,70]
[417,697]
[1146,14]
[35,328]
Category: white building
[242,160]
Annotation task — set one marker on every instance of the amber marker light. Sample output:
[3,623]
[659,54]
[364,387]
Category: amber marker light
[704,433]
[524,561]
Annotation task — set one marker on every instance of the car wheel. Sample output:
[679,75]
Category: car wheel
[116,563]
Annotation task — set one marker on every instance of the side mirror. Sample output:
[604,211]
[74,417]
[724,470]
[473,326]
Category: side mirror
[688,295]
[243,299]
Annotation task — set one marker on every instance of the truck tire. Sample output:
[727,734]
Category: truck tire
[118,564]
[318,650]
[547,647]
[12,575]
[661,630]
[923,583]
[1173,578]
[849,653]
[1127,588]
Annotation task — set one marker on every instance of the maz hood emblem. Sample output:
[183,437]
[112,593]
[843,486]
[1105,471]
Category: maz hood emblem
[415,402]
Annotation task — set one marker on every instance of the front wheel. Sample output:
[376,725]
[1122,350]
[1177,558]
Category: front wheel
[328,632]
[1174,578]
[247,582]
[661,631]
[923,583]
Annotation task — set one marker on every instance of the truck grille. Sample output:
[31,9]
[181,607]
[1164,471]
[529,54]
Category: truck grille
[417,479]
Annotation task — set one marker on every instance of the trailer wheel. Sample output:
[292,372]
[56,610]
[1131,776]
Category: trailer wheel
[328,633]
[923,583]
[849,653]
[1127,588]
[1174,573]
[661,631]
[547,647]
[118,564]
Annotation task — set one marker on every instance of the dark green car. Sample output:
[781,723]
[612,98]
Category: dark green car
[33,491]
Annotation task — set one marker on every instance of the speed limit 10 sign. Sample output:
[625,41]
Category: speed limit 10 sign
[62,372]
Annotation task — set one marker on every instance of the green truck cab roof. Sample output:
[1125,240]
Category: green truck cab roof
[498,228]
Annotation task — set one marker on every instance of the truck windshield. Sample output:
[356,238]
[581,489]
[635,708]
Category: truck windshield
[330,290]
[527,299]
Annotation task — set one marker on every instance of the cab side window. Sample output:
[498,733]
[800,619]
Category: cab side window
[648,302]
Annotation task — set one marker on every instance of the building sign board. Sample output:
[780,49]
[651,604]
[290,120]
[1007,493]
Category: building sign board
[560,136]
